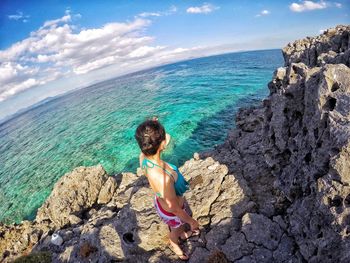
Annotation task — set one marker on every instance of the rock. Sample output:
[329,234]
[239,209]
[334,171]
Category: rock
[196,156]
[261,230]
[285,250]
[217,257]
[86,249]
[152,234]
[233,201]
[205,185]
[72,194]
[199,255]
[237,246]
[107,191]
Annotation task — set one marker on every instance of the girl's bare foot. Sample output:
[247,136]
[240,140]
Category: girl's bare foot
[178,251]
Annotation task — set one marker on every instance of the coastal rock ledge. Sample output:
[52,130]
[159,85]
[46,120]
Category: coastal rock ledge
[277,189]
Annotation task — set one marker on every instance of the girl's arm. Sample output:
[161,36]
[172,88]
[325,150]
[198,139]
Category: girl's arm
[171,199]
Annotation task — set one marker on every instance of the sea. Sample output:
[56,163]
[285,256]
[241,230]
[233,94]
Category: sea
[196,101]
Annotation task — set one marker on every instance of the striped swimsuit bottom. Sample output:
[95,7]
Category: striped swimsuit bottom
[168,218]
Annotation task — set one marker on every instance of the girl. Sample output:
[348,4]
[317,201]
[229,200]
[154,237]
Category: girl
[167,182]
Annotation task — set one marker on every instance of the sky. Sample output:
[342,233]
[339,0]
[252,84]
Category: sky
[51,47]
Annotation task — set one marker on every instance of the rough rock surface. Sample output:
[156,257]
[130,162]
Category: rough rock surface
[277,190]
[75,192]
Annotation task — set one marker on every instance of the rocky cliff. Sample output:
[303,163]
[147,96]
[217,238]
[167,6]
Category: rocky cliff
[277,190]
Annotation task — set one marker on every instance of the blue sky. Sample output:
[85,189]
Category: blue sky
[50,47]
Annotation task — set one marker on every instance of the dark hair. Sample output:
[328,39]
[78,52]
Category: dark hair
[149,135]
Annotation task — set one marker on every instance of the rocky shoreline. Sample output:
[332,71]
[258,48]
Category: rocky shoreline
[277,190]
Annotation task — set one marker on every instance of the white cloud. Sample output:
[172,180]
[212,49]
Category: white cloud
[55,49]
[339,5]
[58,50]
[263,13]
[19,17]
[147,14]
[204,9]
[307,6]
[170,11]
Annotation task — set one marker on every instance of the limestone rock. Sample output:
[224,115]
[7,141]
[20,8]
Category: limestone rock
[107,191]
[261,230]
[73,193]
[205,178]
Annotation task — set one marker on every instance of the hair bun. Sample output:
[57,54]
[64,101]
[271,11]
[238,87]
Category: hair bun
[149,136]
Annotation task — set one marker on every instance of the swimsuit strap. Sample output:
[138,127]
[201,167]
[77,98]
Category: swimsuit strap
[145,165]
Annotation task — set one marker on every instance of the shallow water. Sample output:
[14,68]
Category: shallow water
[196,101]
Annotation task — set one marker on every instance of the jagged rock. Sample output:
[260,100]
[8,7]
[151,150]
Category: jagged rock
[308,51]
[217,257]
[205,177]
[107,191]
[199,255]
[233,200]
[260,230]
[72,194]
[237,246]
[152,234]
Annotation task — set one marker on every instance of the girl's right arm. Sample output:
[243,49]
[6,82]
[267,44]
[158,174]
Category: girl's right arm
[171,199]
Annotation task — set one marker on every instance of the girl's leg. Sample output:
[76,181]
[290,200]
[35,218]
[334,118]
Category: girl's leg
[174,242]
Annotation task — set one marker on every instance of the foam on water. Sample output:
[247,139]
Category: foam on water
[195,100]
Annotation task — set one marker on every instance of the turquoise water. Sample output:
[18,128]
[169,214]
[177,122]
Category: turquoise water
[196,101]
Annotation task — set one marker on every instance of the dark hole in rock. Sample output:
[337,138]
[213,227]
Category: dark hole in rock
[128,238]
[335,151]
[289,95]
[5,254]
[296,192]
[274,167]
[285,110]
[347,231]
[319,144]
[330,104]
[307,190]
[335,87]
[286,154]
[320,235]
[347,200]
[114,209]
[297,114]
[315,252]
[307,158]
[304,131]
[316,133]
[273,138]
[336,201]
